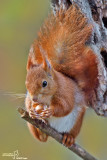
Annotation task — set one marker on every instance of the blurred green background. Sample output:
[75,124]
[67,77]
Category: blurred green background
[19,22]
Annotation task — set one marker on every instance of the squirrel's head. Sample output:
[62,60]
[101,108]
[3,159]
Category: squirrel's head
[40,82]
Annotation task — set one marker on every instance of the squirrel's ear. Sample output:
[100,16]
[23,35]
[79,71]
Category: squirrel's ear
[30,62]
[31,59]
[46,65]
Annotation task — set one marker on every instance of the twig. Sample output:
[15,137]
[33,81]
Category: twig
[77,149]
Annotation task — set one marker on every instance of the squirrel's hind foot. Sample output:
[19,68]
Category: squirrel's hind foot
[68,140]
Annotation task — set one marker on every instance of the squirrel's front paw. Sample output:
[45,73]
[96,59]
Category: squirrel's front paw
[35,111]
[46,113]
[33,114]
[40,112]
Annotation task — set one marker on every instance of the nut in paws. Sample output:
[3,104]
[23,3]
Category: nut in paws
[46,113]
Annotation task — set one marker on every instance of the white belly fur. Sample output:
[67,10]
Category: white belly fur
[66,123]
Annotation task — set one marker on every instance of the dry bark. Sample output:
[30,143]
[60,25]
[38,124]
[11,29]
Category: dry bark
[96,13]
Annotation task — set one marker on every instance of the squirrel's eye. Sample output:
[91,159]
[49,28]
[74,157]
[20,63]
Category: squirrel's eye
[44,83]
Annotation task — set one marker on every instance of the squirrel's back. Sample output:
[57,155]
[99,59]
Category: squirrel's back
[63,40]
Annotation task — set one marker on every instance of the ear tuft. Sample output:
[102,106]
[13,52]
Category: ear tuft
[32,62]
[46,64]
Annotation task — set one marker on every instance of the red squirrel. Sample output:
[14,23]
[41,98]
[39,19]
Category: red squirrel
[61,74]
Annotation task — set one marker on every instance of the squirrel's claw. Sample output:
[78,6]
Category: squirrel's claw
[46,113]
[68,140]
[33,114]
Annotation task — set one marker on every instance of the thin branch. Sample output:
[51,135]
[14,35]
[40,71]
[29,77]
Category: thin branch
[77,149]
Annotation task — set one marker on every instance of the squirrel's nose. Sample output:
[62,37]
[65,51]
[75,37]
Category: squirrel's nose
[35,99]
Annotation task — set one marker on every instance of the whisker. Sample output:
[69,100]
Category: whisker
[12,94]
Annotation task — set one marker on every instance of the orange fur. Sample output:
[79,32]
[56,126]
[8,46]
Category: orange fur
[62,96]
[34,131]
[63,38]
[37,133]
[61,57]
[76,129]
